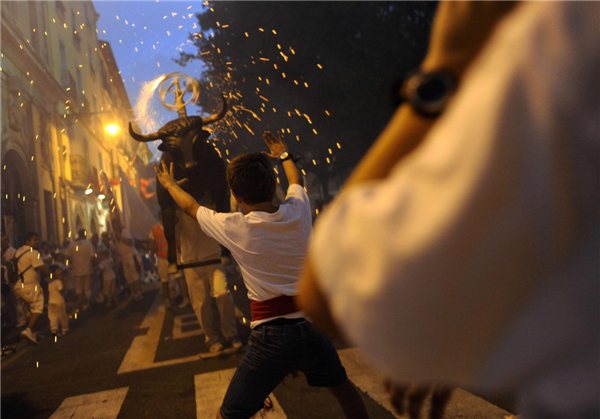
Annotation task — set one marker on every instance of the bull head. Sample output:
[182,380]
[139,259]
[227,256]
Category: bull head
[178,136]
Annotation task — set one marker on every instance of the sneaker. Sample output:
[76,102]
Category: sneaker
[64,332]
[236,343]
[29,335]
[184,303]
[215,347]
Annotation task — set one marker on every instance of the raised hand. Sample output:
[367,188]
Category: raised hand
[276,145]
[166,177]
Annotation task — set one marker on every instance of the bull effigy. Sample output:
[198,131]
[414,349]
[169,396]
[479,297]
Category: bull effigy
[184,142]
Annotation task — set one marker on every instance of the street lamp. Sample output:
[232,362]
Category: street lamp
[112,129]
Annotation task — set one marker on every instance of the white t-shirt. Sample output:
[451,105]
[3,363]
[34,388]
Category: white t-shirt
[9,253]
[30,257]
[126,251]
[476,261]
[270,248]
[194,244]
[80,254]
[54,289]
[106,268]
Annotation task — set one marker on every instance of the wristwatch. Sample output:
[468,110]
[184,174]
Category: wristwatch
[284,156]
[428,93]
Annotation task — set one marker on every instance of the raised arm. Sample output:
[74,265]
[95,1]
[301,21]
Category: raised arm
[185,201]
[278,146]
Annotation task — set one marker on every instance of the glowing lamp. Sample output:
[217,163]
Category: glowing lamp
[88,191]
[101,197]
[112,129]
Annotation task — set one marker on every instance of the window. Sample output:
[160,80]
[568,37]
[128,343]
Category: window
[60,9]
[76,37]
[79,82]
[92,71]
[33,21]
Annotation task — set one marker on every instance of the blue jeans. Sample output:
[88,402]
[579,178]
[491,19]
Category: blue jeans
[273,352]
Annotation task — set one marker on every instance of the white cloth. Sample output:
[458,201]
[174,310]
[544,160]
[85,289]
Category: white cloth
[80,254]
[476,261]
[126,253]
[270,248]
[57,314]
[9,253]
[106,268]
[204,282]
[54,292]
[195,245]
[29,257]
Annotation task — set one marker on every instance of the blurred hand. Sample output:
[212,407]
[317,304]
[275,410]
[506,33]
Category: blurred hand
[416,397]
[276,145]
[460,31]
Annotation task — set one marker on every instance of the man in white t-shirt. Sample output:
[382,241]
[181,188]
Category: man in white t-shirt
[207,280]
[15,316]
[80,255]
[27,288]
[474,260]
[269,243]
[130,258]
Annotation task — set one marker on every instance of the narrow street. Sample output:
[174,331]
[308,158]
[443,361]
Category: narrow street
[141,360]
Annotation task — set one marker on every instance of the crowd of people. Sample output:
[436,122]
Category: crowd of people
[462,251]
[65,280]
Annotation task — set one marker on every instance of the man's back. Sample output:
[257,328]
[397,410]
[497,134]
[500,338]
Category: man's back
[269,247]
[80,253]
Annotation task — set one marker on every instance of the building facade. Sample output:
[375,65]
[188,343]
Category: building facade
[60,88]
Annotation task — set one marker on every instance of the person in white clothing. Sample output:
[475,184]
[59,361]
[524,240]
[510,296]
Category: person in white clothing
[207,281]
[57,310]
[129,256]
[14,312]
[108,276]
[269,244]
[474,260]
[27,289]
[80,257]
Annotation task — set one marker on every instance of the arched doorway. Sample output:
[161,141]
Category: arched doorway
[18,217]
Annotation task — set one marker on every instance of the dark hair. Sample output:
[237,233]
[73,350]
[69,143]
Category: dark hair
[30,235]
[54,268]
[81,232]
[251,178]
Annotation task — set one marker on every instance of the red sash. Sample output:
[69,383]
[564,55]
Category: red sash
[278,306]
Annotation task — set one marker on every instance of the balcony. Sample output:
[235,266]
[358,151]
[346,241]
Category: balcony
[68,82]
[79,171]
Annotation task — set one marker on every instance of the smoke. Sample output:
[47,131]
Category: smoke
[147,117]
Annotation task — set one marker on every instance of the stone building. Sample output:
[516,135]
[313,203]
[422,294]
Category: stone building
[61,88]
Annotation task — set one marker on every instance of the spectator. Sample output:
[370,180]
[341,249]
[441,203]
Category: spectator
[95,240]
[80,255]
[27,288]
[269,243]
[57,311]
[108,276]
[158,252]
[129,257]
[206,279]
[14,312]
[474,261]
[45,253]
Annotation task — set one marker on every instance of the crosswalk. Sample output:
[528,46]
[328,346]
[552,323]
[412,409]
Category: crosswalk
[210,387]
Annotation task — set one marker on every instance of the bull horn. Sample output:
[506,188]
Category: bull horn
[218,116]
[143,137]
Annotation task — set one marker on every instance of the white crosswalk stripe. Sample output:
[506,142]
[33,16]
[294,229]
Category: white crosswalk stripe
[210,391]
[101,405]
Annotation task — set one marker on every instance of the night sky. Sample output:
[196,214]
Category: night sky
[146,34]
